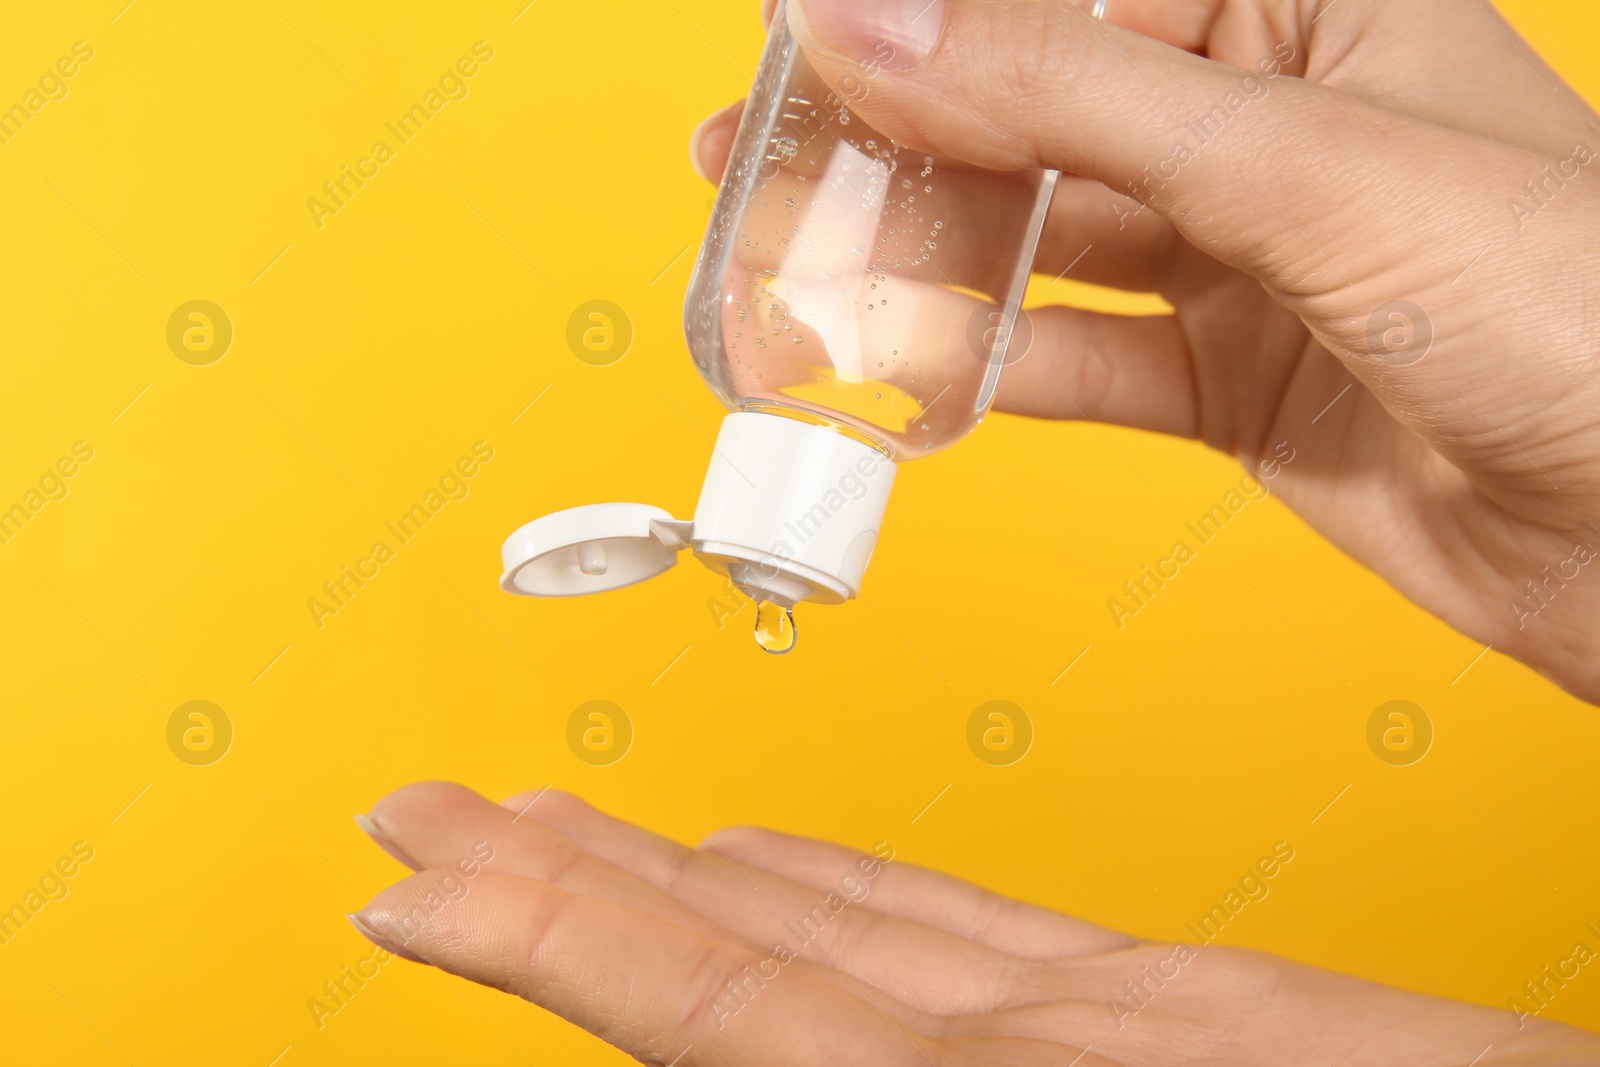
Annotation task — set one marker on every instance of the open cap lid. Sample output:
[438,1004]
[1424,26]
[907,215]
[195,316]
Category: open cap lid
[789,511]
[592,549]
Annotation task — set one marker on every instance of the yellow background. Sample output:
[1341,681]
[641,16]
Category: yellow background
[426,316]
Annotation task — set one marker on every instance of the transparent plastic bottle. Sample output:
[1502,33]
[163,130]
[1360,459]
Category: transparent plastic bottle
[845,277]
[852,305]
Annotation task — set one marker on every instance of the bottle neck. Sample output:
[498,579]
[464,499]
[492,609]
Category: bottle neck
[815,418]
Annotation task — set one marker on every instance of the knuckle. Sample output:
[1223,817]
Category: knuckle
[675,867]
[850,936]
[559,860]
[707,981]
[1094,374]
[988,909]
[1033,56]
[550,913]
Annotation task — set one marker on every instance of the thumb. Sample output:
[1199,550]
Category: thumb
[1009,84]
[1357,219]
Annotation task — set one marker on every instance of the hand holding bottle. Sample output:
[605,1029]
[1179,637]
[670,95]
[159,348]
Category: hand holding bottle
[1377,225]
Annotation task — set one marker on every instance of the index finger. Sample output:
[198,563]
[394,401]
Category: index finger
[927,896]
[656,991]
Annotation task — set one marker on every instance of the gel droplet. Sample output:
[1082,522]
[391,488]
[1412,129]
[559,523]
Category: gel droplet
[775,629]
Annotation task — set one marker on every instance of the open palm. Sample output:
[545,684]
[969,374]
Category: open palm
[761,948]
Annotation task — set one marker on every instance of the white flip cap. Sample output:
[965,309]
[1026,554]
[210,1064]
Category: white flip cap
[590,550]
[789,512]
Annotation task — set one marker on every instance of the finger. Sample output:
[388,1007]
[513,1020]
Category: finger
[1458,63]
[1092,233]
[1025,83]
[1062,363]
[1095,235]
[779,331]
[654,990]
[1496,83]
[712,141]
[886,336]
[1184,23]
[1126,370]
[448,826]
[925,896]
[929,969]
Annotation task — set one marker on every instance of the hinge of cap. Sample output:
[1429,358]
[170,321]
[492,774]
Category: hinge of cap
[673,533]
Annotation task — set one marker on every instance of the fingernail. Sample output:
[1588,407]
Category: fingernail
[378,939]
[383,841]
[893,35]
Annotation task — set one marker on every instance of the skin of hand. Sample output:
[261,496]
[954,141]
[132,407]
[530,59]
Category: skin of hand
[1377,223]
[758,948]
